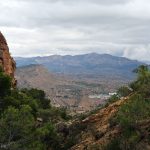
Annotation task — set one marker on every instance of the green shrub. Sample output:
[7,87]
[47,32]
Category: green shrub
[123,91]
[113,145]
[113,99]
[5,84]
[136,109]
[16,127]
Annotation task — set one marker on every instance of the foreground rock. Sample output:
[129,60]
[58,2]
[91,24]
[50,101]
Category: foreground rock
[6,61]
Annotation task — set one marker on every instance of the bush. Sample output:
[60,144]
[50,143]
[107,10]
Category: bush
[39,96]
[128,117]
[136,109]
[113,145]
[16,127]
[113,99]
[19,110]
[123,91]
[5,84]
[48,135]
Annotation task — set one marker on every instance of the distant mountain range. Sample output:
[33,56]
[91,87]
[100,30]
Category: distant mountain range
[92,64]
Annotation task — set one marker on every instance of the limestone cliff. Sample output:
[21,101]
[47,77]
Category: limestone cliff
[6,61]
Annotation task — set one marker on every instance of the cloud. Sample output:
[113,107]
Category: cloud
[45,27]
[141,53]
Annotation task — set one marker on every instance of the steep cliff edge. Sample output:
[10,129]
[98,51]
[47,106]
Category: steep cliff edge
[6,61]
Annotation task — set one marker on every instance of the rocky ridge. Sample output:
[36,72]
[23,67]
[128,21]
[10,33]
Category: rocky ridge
[99,130]
[6,61]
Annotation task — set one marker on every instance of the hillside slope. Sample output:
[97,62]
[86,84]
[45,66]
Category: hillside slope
[103,134]
[64,90]
[99,130]
[124,123]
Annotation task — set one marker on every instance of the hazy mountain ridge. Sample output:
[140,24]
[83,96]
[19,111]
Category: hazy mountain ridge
[93,63]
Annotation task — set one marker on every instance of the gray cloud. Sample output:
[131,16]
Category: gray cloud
[45,27]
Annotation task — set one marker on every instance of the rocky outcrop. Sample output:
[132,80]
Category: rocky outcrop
[99,132]
[6,61]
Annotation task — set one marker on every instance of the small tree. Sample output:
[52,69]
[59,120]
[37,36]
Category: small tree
[143,78]
[143,74]
[5,84]
[123,91]
[16,128]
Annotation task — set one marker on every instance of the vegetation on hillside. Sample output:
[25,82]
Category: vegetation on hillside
[27,120]
[133,117]
[132,120]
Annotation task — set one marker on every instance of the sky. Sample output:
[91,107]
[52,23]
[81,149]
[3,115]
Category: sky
[71,27]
